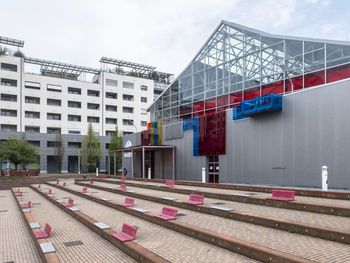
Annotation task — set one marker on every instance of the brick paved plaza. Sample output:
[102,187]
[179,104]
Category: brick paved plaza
[76,241]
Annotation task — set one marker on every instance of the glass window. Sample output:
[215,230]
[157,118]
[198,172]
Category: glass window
[143,87]
[110,95]
[128,110]
[93,119]
[76,145]
[93,93]
[75,91]
[54,116]
[9,67]
[32,85]
[143,123]
[73,132]
[54,88]
[32,114]
[8,128]
[51,130]
[109,133]
[128,122]
[111,108]
[32,129]
[128,85]
[128,97]
[8,113]
[53,102]
[112,82]
[74,118]
[93,106]
[111,121]
[74,104]
[143,99]
[144,111]
[32,100]
[8,97]
[8,82]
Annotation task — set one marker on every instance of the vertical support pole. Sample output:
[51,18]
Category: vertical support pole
[114,164]
[132,164]
[203,175]
[149,173]
[324,178]
[96,171]
[173,164]
[109,164]
[78,162]
[143,162]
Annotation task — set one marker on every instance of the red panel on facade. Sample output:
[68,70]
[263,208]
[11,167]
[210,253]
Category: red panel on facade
[276,87]
[211,103]
[252,93]
[198,106]
[314,79]
[210,111]
[145,137]
[212,134]
[295,83]
[198,114]
[223,100]
[236,97]
[338,73]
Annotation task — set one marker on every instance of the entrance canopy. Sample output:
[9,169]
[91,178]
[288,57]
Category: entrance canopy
[145,148]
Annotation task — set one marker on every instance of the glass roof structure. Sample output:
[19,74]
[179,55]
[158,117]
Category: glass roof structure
[238,63]
[11,41]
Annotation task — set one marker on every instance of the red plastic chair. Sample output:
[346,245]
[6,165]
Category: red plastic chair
[28,205]
[38,187]
[58,182]
[123,179]
[91,182]
[169,184]
[282,195]
[49,192]
[122,187]
[43,234]
[167,213]
[195,199]
[84,190]
[69,203]
[64,184]
[128,202]
[128,233]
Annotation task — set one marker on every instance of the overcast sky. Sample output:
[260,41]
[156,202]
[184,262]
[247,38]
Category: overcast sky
[162,33]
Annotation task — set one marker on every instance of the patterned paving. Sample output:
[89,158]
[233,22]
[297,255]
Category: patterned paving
[315,219]
[299,245]
[67,229]
[166,243]
[15,241]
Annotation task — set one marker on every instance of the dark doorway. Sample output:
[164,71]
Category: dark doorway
[213,168]
[72,164]
[52,165]
[149,163]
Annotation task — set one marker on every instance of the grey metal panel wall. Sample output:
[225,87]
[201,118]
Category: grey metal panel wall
[289,148]
[173,131]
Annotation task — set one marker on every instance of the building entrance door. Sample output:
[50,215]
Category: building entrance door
[213,168]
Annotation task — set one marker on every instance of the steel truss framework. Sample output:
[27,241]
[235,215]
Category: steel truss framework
[58,68]
[11,41]
[236,59]
[139,68]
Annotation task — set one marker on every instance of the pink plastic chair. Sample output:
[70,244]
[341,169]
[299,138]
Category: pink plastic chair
[91,182]
[128,202]
[123,179]
[64,184]
[169,184]
[43,234]
[282,195]
[28,205]
[18,190]
[103,177]
[69,203]
[128,233]
[49,192]
[122,187]
[38,187]
[195,199]
[84,190]
[167,213]
[58,182]
[18,193]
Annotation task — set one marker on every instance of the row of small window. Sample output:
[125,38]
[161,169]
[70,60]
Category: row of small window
[9,67]
[126,85]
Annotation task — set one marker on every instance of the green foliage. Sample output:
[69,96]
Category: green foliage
[90,150]
[116,143]
[18,152]
[19,54]
[119,70]
[3,51]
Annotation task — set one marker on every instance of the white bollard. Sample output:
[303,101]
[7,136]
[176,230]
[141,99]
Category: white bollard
[203,175]
[149,173]
[96,171]
[324,178]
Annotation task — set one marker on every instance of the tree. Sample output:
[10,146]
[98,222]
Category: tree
[59,150]
[18,152]
[90,152]
[19,54]
[116,143]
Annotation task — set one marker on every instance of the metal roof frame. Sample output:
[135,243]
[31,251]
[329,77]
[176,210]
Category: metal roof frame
[54,67]
[11,41]
[137,67]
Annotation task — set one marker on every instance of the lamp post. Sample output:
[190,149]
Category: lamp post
[78,161]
